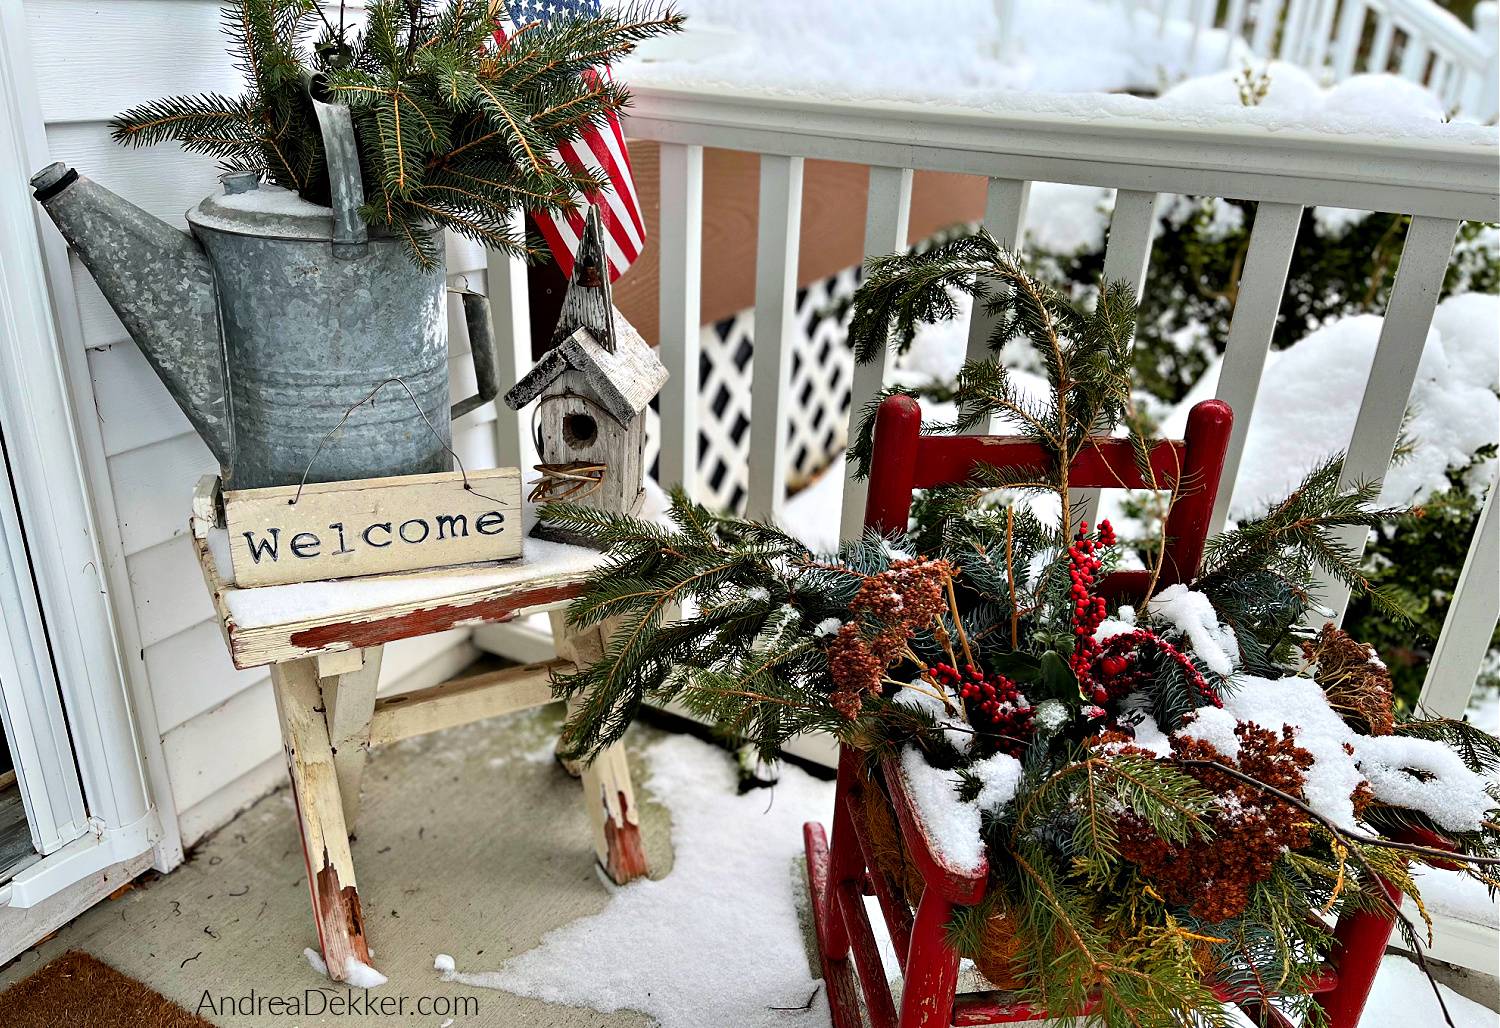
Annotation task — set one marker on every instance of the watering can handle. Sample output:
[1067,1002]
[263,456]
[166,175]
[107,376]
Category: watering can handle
[345,184]
[482,349]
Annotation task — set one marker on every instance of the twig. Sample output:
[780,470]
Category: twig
[963,638]
[1010,577]
[1328,823]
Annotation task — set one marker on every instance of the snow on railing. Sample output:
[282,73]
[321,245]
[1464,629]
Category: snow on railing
[1438,183]
[1416,39]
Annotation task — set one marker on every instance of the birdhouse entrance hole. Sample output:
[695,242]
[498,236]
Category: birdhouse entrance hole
[580,430]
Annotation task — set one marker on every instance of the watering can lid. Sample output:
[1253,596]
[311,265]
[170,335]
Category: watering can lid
[252,208]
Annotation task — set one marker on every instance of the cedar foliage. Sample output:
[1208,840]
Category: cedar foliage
[454,129]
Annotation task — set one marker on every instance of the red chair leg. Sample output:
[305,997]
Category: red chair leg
[1360,939]
[931,982]
[846,863]
[838,975]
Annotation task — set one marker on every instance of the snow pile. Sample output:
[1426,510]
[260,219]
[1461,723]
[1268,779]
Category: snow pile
[1000,777]
[1442,787]
[717,941]
[357,973]
[877,48]
[1310,395]
[1402,997]
[951,823]
[1190,615]
[1420,774]
[1288,88]
[1074,59]
[1291,89]
[1457,895]
[1377,96]
[1122,622]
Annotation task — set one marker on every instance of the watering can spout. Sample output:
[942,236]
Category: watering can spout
[160,284]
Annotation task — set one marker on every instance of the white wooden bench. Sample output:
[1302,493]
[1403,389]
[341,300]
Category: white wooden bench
[323,642]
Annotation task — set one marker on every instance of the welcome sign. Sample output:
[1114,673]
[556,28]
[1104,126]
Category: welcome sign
[373,526]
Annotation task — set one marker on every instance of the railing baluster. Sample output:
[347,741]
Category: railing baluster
[887,211]
[1203,16]
[1380,46]
[1267,18]
[1453,73]
[1351,29]
[1127,255]
[1419,280]
[1261,285]
[1004,218]
[1461,649]
[510,312]
[1294,33]
[1234,27]
[777,242]
[1414,56]
[1485,79]
[681,247]
[1131,228]
[1322,33]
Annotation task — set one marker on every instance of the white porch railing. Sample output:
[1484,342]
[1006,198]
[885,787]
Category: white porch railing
[1415,39]
[1438,184]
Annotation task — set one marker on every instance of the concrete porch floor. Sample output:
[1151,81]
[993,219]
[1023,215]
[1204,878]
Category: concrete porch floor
[471,842]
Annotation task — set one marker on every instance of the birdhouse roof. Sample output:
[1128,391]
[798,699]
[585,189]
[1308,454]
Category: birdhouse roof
[593,338]
[624,381]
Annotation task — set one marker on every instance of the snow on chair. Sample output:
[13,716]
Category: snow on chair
[840,875]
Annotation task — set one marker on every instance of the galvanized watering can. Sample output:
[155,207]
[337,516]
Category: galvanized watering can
[276,316]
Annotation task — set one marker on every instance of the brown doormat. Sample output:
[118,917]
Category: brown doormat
[77,991]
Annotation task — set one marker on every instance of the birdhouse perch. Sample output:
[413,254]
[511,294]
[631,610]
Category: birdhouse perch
[591,389]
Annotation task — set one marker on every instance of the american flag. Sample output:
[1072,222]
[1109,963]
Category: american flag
[599,150]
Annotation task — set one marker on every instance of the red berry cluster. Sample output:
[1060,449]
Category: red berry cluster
[1120,662]
[994,704]
[1084,564]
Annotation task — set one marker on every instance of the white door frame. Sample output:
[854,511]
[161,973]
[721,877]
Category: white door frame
[30,701]
[41,384]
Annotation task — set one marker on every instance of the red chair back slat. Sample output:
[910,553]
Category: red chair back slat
[904,459]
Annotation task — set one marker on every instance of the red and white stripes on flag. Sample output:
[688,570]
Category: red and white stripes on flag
[601,152]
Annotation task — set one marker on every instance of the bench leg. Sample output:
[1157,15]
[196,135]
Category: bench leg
[320,816]
[349,696]
[608,795]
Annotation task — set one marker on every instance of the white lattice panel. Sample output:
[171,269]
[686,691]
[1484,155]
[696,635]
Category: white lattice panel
[822,370]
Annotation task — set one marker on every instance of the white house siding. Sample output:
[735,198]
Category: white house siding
[218,729]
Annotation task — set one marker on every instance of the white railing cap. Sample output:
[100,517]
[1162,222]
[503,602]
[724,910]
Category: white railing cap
[1448,171]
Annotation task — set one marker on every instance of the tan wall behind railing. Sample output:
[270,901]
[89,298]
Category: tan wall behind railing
[833,226]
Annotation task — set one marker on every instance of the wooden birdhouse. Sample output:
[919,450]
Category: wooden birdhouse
[592,389]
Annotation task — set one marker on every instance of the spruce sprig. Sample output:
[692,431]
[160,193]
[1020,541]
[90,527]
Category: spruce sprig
[742,651]
[454,127]
[1084,353]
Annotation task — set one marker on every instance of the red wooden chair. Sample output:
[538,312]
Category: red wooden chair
[839,877]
